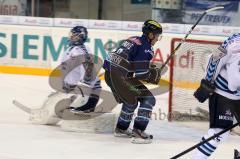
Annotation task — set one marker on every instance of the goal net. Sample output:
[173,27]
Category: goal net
[186,71]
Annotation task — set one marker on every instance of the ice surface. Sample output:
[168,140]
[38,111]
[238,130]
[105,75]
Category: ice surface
[21,140]
[27,141]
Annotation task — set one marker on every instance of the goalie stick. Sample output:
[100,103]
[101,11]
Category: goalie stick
[37,115]
[189,32]
[204,141]
[21,106]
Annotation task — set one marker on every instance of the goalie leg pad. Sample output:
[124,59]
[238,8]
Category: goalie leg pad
[50,112]
[90,105]
[94,123]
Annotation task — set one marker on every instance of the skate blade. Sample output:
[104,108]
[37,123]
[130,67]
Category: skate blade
[141,141]
[122,135]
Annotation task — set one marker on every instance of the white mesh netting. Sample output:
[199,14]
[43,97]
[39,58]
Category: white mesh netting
[187,71]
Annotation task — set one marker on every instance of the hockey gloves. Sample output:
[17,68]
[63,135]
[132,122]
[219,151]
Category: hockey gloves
[155,74]
[205,90]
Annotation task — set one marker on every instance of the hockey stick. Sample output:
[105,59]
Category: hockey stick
[204,141]
[189,32]
[21,106]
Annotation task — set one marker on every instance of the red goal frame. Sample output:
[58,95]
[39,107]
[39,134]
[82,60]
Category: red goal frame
[171,67]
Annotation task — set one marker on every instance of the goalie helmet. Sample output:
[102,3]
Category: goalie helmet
[78,35]
[151,26]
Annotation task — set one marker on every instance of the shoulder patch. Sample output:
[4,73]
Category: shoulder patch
[219,54]
[135,40]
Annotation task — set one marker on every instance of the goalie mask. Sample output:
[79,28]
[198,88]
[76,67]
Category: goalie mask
[78,35]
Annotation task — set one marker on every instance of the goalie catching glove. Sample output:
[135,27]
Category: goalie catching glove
[205,90]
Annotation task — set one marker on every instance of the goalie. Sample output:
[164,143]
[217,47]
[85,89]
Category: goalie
[222,86]
[78,87]
[124,69]
[83,74]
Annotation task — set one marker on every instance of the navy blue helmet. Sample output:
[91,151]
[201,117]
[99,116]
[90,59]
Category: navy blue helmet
[151,26]
[78,35]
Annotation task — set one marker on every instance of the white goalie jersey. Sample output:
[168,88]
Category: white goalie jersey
[79,72]
[224,68]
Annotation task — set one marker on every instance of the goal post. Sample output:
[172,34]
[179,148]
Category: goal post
[186,71]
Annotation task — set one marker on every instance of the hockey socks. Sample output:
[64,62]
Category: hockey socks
[204,151]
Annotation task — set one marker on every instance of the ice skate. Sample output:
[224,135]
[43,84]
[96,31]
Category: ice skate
[236,154]
[123,133]
[141,137]
[79,110]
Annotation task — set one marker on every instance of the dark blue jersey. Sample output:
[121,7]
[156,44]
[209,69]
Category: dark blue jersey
[137,51]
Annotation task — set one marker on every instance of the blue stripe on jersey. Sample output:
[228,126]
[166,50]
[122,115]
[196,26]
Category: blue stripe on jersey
[148,109]
[124,112]
[211,69]
[141,73]
[97,85]
[223,79]
[205,153]
[230,40]
[142,117]
[206,149]
[96,88]
[125,120]
[209,145]
[222,84]
[219,86]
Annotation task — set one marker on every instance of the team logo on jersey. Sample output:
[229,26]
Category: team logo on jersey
[219,54]
[228,112]
[149,51]
[228,116]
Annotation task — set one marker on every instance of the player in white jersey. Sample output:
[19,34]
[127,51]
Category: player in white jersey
[222,86]
[77,89]
[82,73]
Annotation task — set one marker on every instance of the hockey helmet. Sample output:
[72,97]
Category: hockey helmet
[78,35]
[151,26]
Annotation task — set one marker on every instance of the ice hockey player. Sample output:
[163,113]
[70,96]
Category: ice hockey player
[82,73]
[124,68]
[77,73]
[222,86]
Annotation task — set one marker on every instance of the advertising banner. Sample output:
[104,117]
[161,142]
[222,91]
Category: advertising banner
[229,16]
[13,7]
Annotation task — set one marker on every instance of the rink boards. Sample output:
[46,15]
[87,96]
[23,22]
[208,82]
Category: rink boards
[28,54]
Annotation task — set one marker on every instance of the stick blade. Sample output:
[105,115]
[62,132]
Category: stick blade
[21,106]
[214,8]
